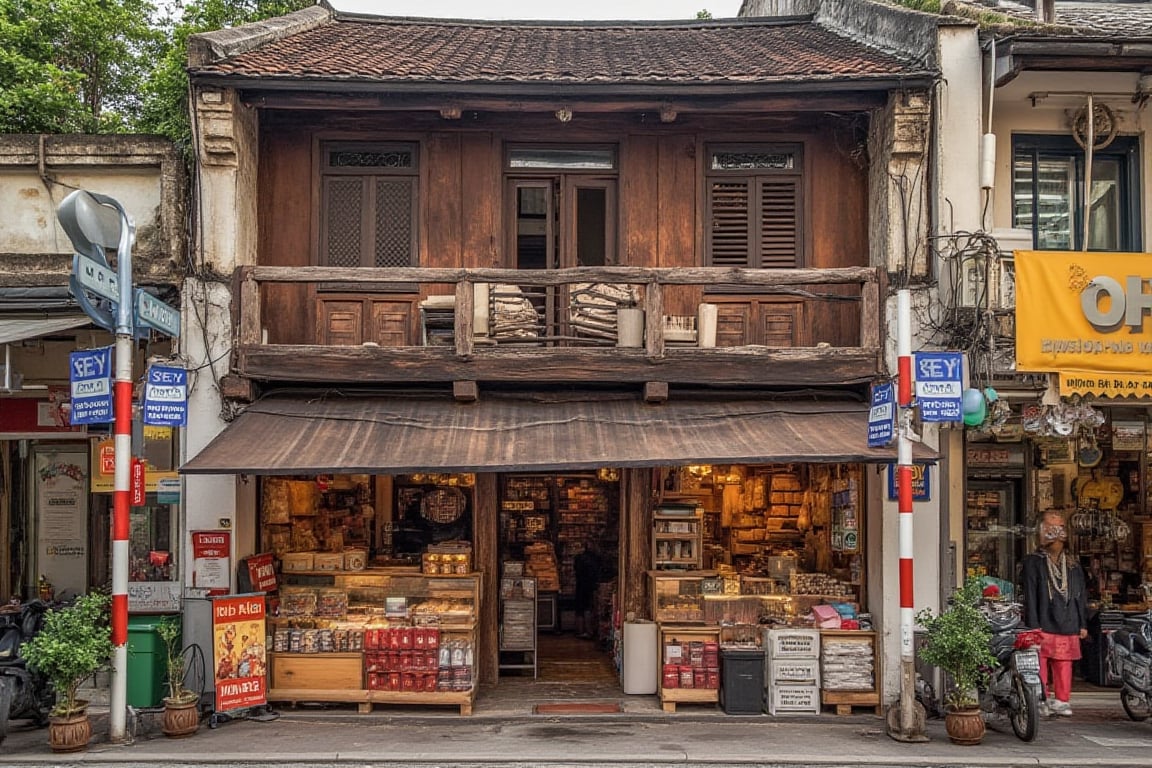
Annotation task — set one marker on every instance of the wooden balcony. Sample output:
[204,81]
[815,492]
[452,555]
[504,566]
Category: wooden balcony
[775,328]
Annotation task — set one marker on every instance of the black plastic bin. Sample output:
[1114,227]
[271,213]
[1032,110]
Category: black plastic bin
[742,681]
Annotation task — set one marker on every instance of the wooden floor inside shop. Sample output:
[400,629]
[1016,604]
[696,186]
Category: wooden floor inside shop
[570,669]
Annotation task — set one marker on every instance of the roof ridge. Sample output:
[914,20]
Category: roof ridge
[208,47]
[357,17]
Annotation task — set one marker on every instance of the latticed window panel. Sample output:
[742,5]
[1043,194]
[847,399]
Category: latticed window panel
[394,158]
[394,223]
[753,161]
[342,220]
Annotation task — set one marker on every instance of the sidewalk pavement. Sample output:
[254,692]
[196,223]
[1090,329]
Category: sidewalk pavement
[1099,734]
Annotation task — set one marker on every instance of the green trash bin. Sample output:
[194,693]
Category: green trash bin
[146,662]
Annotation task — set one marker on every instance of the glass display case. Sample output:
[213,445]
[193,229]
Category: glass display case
[678,598]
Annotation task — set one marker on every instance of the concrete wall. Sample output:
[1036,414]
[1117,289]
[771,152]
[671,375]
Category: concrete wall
[1013,112]
[145,173]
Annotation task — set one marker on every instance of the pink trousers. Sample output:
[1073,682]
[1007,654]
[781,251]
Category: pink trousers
[1059,651]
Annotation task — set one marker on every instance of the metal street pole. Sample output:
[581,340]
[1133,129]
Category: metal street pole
[910,713]
[122,406]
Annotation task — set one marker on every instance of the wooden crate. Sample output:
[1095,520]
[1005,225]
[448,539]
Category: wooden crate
[317,671]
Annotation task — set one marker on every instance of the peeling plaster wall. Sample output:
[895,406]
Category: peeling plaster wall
[145,173]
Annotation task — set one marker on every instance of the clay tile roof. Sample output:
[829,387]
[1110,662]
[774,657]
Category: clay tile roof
[1129,19]
[391,50]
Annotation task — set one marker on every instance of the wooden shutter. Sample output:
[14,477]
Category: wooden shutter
[729,242]
[779,227]
[395,223]
[342,243]
[369,221]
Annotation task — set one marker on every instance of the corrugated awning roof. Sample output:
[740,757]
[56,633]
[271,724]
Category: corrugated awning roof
[13,329]
[397,435]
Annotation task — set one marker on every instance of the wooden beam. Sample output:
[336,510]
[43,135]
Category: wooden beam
[233,387]
[486,543]
[251,331]
[635,275]
[465,391]
[655,391]
[748,366]
[654,320]
[464,316]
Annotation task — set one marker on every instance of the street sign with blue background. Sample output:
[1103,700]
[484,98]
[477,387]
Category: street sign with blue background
[921,490]
[939,380]
[91,379]
[166,396]
[882,415]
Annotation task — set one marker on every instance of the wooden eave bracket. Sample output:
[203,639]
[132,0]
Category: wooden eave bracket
[465,391]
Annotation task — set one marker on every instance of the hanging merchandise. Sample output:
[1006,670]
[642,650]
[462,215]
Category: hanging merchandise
[975,407]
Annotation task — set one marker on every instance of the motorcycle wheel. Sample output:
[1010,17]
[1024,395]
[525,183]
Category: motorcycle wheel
[6,692]
[1135,705]
[1025,715]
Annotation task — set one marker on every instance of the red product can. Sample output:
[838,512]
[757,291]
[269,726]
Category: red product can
[393,681]
[394,639]
[371,640]
[699,678]
[405,637]
[432,638]
[419,638]
[686,677]
[431,659]
[671,676]
[408,681]
[713,679]
[430,681]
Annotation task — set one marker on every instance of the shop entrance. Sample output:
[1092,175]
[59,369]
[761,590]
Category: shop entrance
[559,553]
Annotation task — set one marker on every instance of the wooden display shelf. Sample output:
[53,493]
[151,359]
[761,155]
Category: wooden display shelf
[462,699]
[670,697]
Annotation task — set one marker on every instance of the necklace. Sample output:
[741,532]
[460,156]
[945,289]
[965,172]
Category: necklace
[1057,577]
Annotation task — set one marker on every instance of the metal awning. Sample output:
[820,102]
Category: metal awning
[337,433]
[13,329]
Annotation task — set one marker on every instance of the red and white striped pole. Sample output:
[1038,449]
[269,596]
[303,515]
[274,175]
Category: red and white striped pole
[911,722]
[122,408]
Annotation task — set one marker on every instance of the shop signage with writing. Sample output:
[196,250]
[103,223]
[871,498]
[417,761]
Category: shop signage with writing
[1081,314]
[239,653]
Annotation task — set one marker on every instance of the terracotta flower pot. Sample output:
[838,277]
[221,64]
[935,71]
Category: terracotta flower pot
[965,726]
[70,732]
[181,718]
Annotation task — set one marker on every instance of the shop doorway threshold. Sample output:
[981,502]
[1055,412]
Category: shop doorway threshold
[579,708]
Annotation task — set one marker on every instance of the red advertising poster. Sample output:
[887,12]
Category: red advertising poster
[211,558]
[262,573]
[239,656]
[137,484]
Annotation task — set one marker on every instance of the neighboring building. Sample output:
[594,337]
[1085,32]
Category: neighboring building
[55,500]
[461,267]
[1069,429]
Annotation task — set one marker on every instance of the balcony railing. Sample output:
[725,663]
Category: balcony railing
[613,324]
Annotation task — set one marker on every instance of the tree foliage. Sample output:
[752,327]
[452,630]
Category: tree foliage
[165,109]
[74,65]
[74,642]
[957,640]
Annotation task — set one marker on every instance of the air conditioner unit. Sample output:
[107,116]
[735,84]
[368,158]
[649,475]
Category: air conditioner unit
[1009,241]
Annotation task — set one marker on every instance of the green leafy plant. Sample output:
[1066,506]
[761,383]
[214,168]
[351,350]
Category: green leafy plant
[169,631]
[74,643]
[956,640]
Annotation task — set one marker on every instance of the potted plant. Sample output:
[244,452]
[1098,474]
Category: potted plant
[957,640]
[74,642]
[181,710]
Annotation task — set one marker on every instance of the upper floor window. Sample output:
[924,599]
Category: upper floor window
[755,206]
[1048,193]
[369,197]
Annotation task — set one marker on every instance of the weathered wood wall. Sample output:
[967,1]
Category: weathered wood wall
[461,193]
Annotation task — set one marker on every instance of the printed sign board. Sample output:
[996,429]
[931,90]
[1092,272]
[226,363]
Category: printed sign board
[211,557]
[166,396]
[90,374]
[882,415]
[920,480]
[939,385]
[240,661]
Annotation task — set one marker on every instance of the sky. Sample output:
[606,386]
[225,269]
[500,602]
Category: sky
[638,10]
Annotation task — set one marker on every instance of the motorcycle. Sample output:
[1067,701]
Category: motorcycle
[1013,689]
[24,693]
[1130,661]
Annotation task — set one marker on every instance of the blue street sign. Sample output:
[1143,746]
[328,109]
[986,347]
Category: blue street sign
[882,415]
[91,378]
[166,396]
[155,313]
[939,385]
[921,490]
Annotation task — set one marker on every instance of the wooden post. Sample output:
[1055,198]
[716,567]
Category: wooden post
[870,314]
[635,538]
[251,331]
[486,541]
[654,319]
[465,299]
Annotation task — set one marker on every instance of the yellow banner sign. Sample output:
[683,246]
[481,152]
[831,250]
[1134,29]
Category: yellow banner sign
[1084,313]
[1106,385]
[103,474]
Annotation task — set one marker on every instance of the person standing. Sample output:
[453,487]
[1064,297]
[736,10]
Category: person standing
[588,567]
[1056,604]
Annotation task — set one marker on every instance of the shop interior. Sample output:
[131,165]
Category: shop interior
[373,569]
[1090,463]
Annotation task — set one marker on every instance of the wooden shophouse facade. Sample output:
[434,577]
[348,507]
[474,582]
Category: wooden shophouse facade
[416,234]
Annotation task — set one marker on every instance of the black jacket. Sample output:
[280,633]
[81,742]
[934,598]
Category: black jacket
[1046,609]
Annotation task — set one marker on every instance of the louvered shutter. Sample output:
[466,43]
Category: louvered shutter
[779,225]
[729,242]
